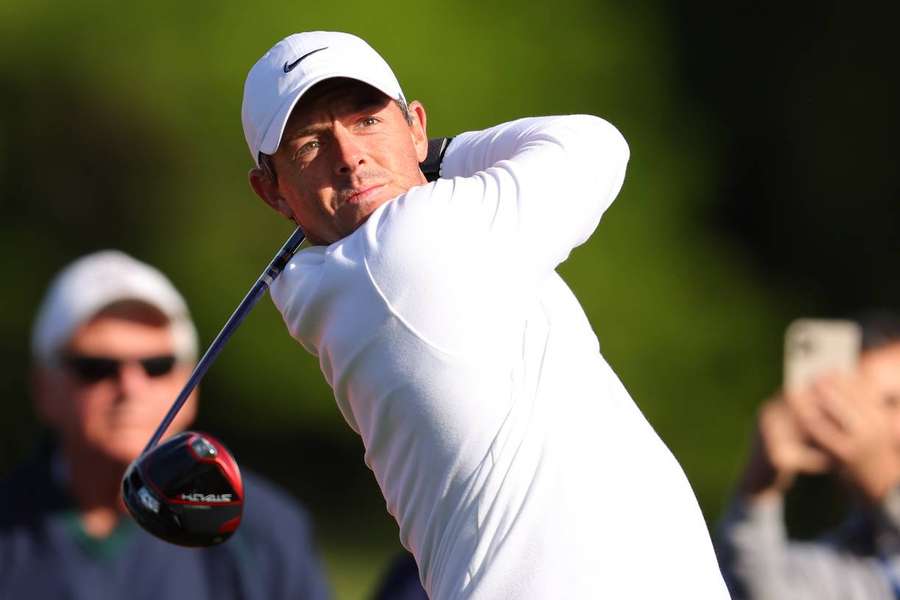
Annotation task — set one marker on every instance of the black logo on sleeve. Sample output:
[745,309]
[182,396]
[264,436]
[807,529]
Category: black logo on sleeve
[290,67]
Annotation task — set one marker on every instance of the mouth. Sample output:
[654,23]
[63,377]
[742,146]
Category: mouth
[361,195]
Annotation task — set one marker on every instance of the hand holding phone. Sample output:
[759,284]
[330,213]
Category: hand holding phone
[784,446]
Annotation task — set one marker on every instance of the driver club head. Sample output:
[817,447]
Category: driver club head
[187,490]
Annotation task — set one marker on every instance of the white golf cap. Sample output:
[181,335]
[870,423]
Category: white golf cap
[295,64]
[96,281]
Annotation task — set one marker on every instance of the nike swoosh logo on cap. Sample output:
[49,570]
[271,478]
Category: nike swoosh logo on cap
[290,67]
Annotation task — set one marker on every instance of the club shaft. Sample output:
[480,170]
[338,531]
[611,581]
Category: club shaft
[256,292]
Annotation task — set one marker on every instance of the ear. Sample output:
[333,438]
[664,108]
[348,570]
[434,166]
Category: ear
[267,189]
[419,130]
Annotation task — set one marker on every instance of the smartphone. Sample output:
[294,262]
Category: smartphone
[813,347]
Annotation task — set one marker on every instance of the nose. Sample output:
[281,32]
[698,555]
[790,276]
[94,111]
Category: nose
[132,377]
[350,151]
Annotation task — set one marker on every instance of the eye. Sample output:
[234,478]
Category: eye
[368,121]
[305,150]
[308,147]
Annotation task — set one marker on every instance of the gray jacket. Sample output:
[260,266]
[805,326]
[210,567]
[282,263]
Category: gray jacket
[860,560]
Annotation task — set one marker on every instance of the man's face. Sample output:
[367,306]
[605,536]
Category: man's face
[114,415]
[880,368]
[346,150]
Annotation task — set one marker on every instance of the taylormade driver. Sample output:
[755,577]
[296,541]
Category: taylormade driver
[187,491]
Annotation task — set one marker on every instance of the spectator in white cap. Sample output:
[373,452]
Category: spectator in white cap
[113,343]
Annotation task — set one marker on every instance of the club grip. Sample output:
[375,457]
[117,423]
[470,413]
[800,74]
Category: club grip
[282,257]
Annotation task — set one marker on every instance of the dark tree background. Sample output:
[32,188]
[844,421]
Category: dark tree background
[804,97]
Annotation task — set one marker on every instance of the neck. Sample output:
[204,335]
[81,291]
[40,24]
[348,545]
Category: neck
[93,481]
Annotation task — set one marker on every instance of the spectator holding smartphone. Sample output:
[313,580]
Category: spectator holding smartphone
[844,423]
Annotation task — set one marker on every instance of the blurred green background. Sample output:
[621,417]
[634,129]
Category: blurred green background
[763,185]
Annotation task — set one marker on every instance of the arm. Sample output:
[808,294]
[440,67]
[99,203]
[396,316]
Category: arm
[512,202]
[551,177]
[453,259]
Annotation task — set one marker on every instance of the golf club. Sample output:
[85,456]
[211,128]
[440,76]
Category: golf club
[188,490]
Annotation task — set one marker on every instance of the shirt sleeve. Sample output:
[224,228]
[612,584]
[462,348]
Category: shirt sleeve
[543,182]
[455,259]
[759,562]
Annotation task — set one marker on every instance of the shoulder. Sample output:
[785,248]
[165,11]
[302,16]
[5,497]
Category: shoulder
[421,219]
[437,229]
[291,289]
[437,258]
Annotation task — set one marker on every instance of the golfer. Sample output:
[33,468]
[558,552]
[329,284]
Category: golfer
[512,458]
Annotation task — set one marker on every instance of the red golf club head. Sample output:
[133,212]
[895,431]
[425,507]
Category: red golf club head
[187,490]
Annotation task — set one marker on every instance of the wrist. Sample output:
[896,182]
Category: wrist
[761,478]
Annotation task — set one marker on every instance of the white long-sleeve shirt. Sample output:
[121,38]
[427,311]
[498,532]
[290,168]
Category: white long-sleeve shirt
[513,459]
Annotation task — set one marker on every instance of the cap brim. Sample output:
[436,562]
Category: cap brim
[272,139]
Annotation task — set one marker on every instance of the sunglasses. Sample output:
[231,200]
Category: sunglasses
[91,369]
